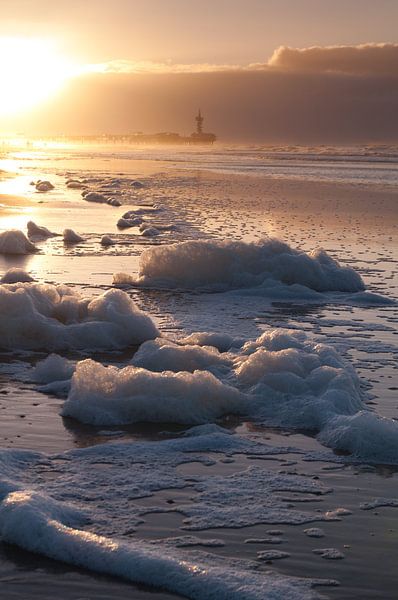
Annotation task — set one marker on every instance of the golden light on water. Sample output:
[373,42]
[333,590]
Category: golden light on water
[31,70]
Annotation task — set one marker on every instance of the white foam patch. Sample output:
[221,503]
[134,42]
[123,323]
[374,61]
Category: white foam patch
[37,316]
[186,541]
[272,554]
[70,517]
[297,383]
[109,396]
[15,241]
[42,529]
[365,434]
[257,498]
[53,368]
[281,379]
[16,275]
[329,553]
[106,240]
[37,232]
[230,265]
[71,237]
[378,503]
[314,532]
[43,186]
[163,355]
[221,341]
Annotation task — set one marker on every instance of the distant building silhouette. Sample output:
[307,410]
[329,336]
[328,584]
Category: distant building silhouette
[199,137]
[165,137]
[199,123]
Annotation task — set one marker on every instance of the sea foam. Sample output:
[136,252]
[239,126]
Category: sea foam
[221,266]
[38,316]
[281,379]
[70,517]
[15,241]
[109,396]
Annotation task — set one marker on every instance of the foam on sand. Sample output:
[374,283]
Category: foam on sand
[43,186]
[37,316]
[71,237]
[281,379]
[163,355]
[106,240]
[297,383]
[95,197]
[110,396]
[53,368]
[70,514]
[364,434]
[224,265]
[15,241]
[221,341]
[38,232]
[41,525]
[15,275]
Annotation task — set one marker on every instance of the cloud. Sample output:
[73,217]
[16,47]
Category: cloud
[129,66]
[315,95]
[365,59]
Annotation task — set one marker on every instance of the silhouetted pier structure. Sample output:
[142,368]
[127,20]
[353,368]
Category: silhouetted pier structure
[198,137]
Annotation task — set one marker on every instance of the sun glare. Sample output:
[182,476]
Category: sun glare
[31,70]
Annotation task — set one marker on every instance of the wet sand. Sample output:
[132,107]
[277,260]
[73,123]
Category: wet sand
[356,224]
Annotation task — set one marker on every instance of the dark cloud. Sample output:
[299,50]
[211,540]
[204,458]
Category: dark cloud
[365,59]
[281,103]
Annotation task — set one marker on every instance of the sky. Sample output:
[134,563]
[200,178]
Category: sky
[278,70]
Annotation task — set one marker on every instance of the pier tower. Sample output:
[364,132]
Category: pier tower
[199,136]
[199,123]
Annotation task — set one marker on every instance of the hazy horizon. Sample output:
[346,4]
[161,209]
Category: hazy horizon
[261,71]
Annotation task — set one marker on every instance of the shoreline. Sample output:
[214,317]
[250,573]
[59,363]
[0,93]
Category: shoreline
[210,204]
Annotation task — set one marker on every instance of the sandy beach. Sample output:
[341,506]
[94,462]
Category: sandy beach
[355,223]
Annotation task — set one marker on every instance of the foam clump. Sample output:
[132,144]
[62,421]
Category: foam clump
[274,340]
[280,379]
[106,240]
[126,222]
[164,355]
[297,383]
[43,186]
[329,553]
[223,265]
[149,231]
[37,232]
[221,341]
[74,184]
[272,554]
[16,275]
[15,241]
[314,532]
[37,316]
[365,435]
[110,396]
[95,197]
[53,368]
[113,202]
[207,429]
[71,237]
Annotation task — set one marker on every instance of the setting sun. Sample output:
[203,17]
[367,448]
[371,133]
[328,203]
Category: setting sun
[31,70]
